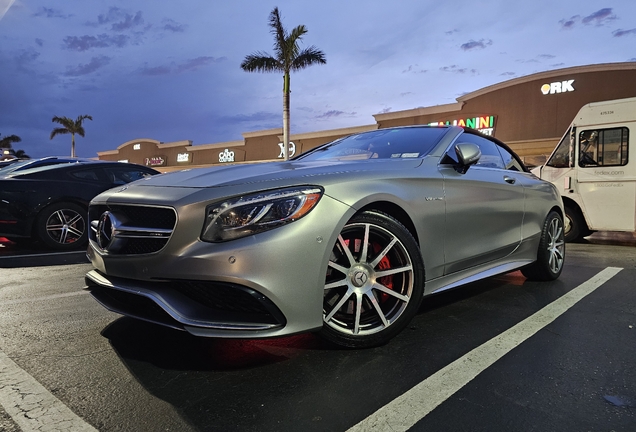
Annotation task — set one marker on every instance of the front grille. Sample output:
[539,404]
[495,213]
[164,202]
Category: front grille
[143,230]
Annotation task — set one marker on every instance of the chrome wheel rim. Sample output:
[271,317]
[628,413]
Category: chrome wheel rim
[65,226]
[369,280]
[556,245]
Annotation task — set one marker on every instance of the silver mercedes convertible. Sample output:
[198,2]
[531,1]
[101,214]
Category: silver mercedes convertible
[345,240]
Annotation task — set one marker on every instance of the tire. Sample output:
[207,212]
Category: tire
[551,251]
[575,227]
[373,288]
[62,226]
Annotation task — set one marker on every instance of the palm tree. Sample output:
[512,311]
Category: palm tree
[288,58]
[20,154]
[70,126]
[5,141]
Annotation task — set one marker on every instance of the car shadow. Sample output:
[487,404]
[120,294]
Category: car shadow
[293,383]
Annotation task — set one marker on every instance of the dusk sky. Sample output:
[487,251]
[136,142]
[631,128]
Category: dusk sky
[170,70]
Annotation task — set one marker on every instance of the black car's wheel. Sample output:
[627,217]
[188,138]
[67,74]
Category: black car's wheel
[374,283]
[551,253]
[575,226]
[62,226]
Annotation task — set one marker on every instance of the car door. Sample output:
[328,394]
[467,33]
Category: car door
[484,208]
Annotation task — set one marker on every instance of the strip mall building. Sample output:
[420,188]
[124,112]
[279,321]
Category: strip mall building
[530,114]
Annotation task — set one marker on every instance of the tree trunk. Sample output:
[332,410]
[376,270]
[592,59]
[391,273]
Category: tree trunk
[286,116]
[72,145]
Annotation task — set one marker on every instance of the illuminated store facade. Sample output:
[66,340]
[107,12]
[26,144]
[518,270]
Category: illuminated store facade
[529,113]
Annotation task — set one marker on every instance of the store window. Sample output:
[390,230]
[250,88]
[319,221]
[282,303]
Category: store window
[603,147]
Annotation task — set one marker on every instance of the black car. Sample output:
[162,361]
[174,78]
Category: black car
[49,203]
[11,166]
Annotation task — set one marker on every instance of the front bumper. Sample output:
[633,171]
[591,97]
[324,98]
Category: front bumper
[269,284]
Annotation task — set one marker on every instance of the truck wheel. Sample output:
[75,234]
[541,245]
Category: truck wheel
[62,226]
[575,226]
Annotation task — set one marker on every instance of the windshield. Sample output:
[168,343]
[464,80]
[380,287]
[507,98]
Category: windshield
[408,142]
[561,156]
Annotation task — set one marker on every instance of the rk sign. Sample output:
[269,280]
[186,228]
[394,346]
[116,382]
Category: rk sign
[557,87]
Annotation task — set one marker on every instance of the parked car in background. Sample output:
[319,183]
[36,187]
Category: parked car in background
[22,164]
[49,203]
[346,239]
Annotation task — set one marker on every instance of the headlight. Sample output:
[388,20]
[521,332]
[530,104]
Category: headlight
[251,214]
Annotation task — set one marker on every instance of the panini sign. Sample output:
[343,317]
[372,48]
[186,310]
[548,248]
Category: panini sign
[484,124]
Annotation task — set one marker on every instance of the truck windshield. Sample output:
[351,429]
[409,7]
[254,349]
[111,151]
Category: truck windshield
[561,156]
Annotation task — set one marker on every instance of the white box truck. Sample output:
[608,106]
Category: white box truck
[595,169]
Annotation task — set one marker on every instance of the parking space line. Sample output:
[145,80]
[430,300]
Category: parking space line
[409,408]
[31,406]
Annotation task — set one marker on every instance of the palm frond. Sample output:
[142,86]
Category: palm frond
[261,62]
[308,57]
[280,35]
[59,131]
[5,142]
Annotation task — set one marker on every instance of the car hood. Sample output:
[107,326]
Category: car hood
[272,172]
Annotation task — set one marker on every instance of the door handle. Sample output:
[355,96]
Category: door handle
[510,180]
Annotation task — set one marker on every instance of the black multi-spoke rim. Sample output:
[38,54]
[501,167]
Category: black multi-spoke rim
[369,280]
[65,226]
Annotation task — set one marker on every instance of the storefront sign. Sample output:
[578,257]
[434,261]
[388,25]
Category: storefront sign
[155,161]
[292,149]
[137,146]
[484,124]
[226,156]
[183,157]
[557,87]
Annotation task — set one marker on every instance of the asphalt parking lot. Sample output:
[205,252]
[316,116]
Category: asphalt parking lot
[499,354]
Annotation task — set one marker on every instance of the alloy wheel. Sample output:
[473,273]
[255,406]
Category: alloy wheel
[369,280]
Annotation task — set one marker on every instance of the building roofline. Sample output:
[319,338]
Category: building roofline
[436,109]
[216,145]
[601,67]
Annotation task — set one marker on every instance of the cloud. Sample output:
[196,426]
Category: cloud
[620,32]
[85,69]
[173,26]
[414,69]
[557,65]
[50,13]
[480,44]
[386,110]
[334,113]
[546,56]
[567,24]
[128,22]
[508,74]
[450,32]
[119,20]
[84,43]
[455,69]
[600,17]
[187,66]
[39,42]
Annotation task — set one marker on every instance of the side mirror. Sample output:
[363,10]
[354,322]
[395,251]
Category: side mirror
[467,154]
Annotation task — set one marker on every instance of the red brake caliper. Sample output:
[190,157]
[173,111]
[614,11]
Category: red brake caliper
[384,264]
